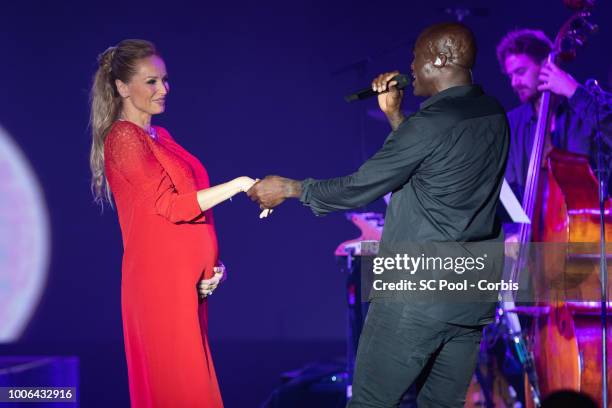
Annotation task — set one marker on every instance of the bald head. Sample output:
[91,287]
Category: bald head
[444,55]
[453,40]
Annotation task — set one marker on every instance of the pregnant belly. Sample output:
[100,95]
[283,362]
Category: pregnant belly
[160,249]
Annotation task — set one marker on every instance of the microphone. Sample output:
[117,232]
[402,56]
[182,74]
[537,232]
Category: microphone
[402,82]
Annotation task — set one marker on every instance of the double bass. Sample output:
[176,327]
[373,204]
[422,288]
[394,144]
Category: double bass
[562,201]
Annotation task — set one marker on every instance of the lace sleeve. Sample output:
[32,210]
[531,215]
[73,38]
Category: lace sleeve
[128,153]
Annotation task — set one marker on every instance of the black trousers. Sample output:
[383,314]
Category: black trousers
[400,346]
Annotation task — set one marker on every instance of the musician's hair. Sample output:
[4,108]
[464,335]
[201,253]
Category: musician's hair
[533,43]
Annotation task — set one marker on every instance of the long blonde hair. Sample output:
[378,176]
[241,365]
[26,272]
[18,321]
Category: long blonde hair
[117,62]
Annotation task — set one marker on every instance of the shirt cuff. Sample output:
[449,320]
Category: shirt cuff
[306,197]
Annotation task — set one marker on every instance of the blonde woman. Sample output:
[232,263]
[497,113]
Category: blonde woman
[164,203]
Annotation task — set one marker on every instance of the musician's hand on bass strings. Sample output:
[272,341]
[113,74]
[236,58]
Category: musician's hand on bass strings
[554,79]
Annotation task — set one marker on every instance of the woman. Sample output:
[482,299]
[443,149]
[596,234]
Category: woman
[164,205]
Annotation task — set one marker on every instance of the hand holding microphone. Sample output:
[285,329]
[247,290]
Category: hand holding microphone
[398,80]
[389,93]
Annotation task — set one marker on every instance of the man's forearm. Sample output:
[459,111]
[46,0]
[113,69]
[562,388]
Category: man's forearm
[395,119]
[292,188]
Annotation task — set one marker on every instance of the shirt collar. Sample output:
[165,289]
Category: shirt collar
[455,91]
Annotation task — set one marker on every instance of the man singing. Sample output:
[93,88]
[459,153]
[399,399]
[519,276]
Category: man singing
[445,165]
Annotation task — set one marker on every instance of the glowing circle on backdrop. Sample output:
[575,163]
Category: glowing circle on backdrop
[24,240]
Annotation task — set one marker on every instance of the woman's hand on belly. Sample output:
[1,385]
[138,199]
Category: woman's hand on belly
[206,287]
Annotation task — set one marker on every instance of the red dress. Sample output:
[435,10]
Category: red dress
[169,245]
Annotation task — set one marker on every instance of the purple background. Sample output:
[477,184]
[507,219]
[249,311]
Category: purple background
[255,90]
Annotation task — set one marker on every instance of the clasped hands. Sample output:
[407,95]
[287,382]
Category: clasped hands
[271,192]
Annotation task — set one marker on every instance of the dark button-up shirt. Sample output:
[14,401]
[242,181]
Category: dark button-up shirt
[575,124]
[444,164]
